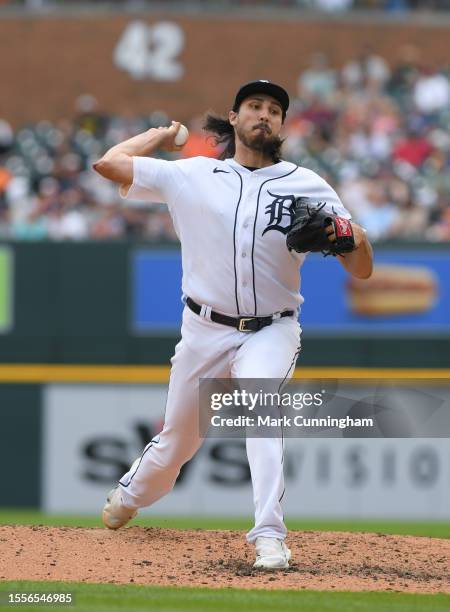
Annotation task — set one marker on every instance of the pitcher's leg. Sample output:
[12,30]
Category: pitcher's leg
[269,354]
[154,475]
[265,457]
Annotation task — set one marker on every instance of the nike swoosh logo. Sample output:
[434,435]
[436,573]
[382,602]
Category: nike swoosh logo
[216,170]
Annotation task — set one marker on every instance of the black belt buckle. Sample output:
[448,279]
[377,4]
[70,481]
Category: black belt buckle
[253,324]
[243,322]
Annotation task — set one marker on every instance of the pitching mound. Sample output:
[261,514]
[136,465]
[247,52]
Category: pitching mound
[320,560]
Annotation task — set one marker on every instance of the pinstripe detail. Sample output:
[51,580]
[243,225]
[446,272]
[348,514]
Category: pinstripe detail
[234,242]
[148,447]
[296,354]
[292,365]
[276,178]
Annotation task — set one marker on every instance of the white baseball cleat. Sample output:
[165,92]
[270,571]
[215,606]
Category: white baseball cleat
[271,553]
[115,514]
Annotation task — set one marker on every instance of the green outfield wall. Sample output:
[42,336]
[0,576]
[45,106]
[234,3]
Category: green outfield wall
[70,303]
[21,444]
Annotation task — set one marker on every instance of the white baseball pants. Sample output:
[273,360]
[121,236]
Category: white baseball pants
[211,350]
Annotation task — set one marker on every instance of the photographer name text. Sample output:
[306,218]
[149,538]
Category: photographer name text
[285,421]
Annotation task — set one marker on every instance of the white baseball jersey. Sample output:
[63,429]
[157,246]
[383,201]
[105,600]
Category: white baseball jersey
[232,224]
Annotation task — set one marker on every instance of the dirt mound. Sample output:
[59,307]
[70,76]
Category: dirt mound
[320,560]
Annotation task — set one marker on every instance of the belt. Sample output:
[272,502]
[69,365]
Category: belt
[243,324]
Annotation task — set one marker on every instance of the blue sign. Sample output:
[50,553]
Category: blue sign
[409,293]
[156,291]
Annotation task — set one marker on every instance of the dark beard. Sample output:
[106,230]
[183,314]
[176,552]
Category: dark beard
[269,146]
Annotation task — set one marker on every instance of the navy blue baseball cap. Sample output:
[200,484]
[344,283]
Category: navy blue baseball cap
[264,87]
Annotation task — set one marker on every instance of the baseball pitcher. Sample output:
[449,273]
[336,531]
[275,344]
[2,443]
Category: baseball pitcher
[246,223]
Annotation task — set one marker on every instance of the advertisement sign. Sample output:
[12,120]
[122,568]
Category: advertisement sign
[409,293]
[92,434]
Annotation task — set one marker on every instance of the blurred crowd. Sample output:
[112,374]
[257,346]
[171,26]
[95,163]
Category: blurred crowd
[328,6]
[378,133]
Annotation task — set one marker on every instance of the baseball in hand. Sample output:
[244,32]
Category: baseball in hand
[182,136]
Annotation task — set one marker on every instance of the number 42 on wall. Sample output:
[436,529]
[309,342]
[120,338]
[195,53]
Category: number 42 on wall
[151,51]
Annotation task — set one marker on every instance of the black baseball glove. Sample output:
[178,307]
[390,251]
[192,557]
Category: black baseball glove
[308,230]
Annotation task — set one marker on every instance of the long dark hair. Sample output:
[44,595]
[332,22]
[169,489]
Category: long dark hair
[222,133]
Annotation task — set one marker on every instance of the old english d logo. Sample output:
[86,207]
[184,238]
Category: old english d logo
[281,213]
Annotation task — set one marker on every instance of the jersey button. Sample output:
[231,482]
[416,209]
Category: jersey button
[245,225]
[244,284]
[244,254]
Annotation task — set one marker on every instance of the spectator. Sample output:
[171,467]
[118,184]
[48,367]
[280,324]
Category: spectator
[333,6]
[369,134]
[6,136]
[412,219]
[414,148]
[439,229]
[431,92]
[88,117]
[396,5]
[404,75]
[380,216]
[109,225]
[318,81]
[74,224]
[366,71]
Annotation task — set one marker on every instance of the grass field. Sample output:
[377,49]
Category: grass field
[96,598]
[431,529]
